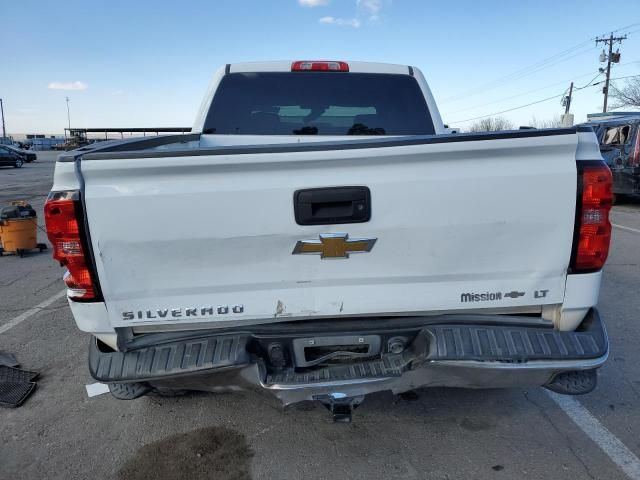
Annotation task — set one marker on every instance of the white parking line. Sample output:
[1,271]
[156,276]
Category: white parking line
[617,451]
[32,311]
[629,229]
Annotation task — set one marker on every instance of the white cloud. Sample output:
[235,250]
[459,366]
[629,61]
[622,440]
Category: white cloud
[68,86]
[370,9]
[313,3]
[341,22]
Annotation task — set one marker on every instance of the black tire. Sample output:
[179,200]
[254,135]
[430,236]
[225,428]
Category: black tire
[128,391]
[18,163]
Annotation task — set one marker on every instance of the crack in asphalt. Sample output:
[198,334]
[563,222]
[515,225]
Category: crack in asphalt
[633,387]
[8,284]
[53,282]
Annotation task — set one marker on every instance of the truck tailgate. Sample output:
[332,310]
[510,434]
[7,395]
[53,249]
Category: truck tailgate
[459,225]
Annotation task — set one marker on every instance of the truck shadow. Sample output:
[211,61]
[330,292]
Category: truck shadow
[463,407]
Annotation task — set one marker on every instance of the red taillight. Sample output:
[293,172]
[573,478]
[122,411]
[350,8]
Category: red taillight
[319,66]
[63,216]
[634,158]
[593,230]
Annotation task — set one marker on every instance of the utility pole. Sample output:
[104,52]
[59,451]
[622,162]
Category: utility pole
[610,58]
[567,119]
[567,99]
[4,132]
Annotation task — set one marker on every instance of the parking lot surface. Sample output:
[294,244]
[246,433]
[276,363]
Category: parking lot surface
[440,433]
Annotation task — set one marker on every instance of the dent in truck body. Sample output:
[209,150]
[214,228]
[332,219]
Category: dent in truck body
[444,354]
[399,289]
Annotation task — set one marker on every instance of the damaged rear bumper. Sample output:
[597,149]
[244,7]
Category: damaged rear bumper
[455,353]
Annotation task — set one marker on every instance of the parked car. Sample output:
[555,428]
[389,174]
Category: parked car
[322,236]
[619,140]
[8,158]
[27,156]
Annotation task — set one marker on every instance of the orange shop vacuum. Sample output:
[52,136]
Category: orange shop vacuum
[19,229]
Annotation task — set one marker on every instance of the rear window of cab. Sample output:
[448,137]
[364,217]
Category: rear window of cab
[318,103]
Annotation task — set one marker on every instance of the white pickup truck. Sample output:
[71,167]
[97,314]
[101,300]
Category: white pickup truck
[321,236]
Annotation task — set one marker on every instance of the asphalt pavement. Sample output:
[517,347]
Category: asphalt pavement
[60,432]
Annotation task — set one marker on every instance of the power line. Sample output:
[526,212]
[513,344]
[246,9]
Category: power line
[501,100]
[621,78]
[534,68]
[566,101]
[589,84]
[508,110]
[627,26]
[523,106]
[547,65]
[524,93]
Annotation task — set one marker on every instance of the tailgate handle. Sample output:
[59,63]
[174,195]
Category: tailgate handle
[331,205]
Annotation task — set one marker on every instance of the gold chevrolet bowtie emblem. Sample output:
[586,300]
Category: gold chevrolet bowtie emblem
[334,245]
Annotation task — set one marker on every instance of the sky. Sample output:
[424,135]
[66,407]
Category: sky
[148,63]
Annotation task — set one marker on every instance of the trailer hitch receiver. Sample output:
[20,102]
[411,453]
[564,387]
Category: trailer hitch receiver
[340,405]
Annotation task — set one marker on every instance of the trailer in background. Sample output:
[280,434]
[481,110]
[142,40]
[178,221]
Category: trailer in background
[44,143]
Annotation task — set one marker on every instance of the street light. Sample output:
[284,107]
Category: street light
[68,116]
[4,132]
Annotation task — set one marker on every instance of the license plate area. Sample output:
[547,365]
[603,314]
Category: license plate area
[312,351]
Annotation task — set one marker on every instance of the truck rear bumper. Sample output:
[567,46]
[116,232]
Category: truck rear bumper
[467,355]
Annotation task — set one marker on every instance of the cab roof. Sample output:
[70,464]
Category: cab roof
[285,66]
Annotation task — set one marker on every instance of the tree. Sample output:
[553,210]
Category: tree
[626,96]
[553,122]
[491,124]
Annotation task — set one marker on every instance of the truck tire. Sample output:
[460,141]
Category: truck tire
[128,391]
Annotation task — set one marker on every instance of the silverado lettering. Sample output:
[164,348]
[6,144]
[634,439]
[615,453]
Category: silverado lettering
[181,312]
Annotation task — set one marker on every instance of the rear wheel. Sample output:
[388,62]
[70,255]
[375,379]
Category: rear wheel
[18,163]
